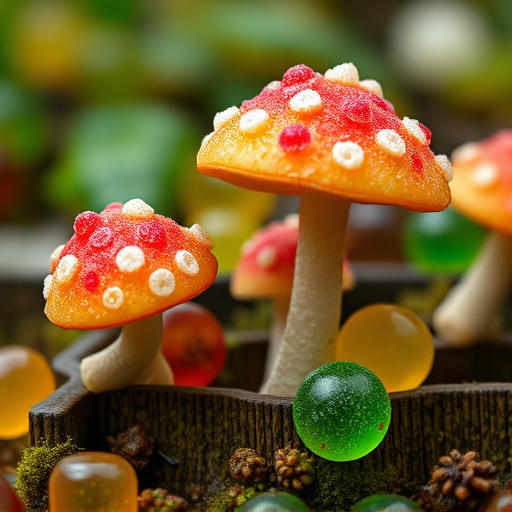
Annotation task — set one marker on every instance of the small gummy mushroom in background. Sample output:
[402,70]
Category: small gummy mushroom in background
[265,271]
[274,502]
[124,267]
[391,341]
[331,139]
[93,481]
[9,501]
[26,378]
[341,411]
[385,503]
[481,190]
[193,344]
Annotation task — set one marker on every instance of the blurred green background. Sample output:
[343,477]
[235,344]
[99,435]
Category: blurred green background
[106,100]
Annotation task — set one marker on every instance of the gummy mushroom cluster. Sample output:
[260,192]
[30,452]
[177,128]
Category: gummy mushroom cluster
[124,267]
[331,139]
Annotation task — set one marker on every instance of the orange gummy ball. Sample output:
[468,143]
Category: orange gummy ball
[26,378]
[93,482]
[391,341]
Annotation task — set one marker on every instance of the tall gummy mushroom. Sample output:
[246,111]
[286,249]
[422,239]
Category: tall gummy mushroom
[481,191]
[332,139]
[124,267]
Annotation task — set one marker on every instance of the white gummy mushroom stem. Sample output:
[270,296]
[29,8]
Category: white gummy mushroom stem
[466,314]
[315,307]
[133,358]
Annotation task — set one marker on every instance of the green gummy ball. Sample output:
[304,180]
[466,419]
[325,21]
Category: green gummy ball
[274,502]
[341,411]
[385,503]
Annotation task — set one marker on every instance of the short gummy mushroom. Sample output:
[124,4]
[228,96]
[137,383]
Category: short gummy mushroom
[265,271]
[333,140]
[124,267]
[481,191]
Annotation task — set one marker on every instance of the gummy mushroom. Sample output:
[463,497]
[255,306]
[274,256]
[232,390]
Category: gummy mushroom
[265,271]
[332,139]
[481,190]
[124,267]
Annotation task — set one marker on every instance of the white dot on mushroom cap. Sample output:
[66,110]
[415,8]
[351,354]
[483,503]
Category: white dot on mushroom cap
[162,282]
[266,257]
[253,120]
[137,209]
[113,297]
[345,73]
[348,154]
[201,235]
[465,153]
[413,127]
[306,101]
[292,220]
[372,86]
[130,258]
[54,258]
[206,138]
[391,142]
[66,268]
[485,175]
[272,86]
[224,116]
[446,166]
[186,263]
[46,286]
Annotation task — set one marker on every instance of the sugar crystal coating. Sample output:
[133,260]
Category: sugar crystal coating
[137,209]
[446,166]
[413,127]
[348,154]
[345,73]
[67,267]
[253,120]
[272,86]
[391,142]
[46,285]
[162,282]
[151,233]
[186,262]
[55,257]
[129,259]
[113,297]
[306,101]
[86,223]
[297,75]
[224,116]
[294,138]
[201,235]
[102,237]
[372,86]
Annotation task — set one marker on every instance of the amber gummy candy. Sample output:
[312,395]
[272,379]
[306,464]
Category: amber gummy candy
[93,482]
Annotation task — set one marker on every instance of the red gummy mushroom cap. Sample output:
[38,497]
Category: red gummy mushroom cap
[331,133]
[482,185]
[124,264]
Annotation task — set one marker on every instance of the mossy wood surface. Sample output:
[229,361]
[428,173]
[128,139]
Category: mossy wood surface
[201,427]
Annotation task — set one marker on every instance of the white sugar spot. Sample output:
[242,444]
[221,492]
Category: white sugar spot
[253,120]
[446,166]
[465,153]
[55,256]
[206,138]
[413,127]
[162,282]
[130,258]
[346,74]
[266,257]
[186,263]
[391,142]
[272,86]
[137,209]
[47,283]
[224,116]
[348,154]
[113,297]
[66,268]
[372,86]
[201,235]
[306,101]
[485,175]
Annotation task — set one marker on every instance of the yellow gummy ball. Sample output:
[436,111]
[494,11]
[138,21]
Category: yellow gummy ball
[391,341]
[26,379]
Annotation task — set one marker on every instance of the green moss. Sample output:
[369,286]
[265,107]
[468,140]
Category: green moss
[34,468]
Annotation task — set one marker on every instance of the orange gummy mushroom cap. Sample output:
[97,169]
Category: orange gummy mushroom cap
[124,264]
[482,185]
[331,133]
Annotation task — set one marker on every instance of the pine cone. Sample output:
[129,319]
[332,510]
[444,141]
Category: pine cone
[247,466]
[294,468]
[159,500]
[463,478]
